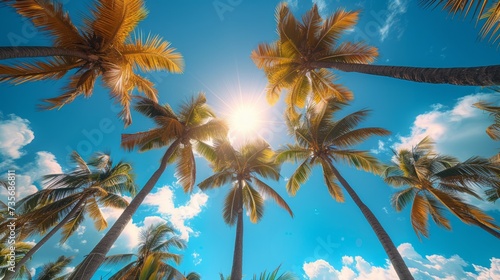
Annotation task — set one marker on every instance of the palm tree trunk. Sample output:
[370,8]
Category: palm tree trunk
[237,269]
[397,261]
[470,76]
[21,52]
[51,233]
[94,259]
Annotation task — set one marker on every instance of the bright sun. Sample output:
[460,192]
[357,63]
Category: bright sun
[245,120]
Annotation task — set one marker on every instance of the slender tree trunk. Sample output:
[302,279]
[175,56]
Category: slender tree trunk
[237,269]
[469,76]
[94,259]
[397,261]
[21,52]
[49,235]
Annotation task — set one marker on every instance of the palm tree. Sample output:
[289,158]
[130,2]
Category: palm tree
[322,140]
[66,199]
[21,249]
[151,257]
[193,276]
[435,183]
[493,130]
[240,167]
[51,270]
[484,9]
[194,124]
[274,275]
[101,47]
[299,59]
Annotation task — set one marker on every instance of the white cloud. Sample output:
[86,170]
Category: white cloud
[458,131]
[163,199]
[196,258]
[45,163]
[430,267]
[66,248]
[15,133]
[381,148]
[292,3]
[395,9]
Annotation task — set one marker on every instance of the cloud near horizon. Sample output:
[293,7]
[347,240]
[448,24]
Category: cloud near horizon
[428,267]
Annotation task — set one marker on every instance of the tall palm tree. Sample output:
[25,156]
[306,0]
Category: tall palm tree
[322,140]
[182,132]
[102,46]
[299,59]
[435,183]
[493,130]
[240,168]
[150,261]
[51,270]
[67,198]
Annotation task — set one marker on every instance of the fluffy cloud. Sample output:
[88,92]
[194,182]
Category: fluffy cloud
[163,199]
[395,10]
[15,133]
[430,267]
[458,131]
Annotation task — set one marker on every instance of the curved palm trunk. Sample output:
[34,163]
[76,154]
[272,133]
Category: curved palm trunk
[49,235]
[21,52]
[469,76]
[392,252]
[94,259]
[237,269]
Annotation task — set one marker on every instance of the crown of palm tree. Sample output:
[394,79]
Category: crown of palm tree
[191,127]
[51,270]
[21,249]
[435,183]
[287,61]
[97,183]
[321,139]
[151,257]
[493,130]
[243,165]
[101,47]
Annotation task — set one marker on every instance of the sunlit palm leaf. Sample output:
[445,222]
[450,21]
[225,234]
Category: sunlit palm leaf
[298,178]
[253,202]
[268,191]
[185,171]
[402,198]
[419,216]
[329,177]
[153,53]
[231,208]
[37,70]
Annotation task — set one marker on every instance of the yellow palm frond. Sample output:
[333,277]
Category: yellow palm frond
[299,177]
[147,140]
[333,188]
[458,6]
[298,93]
[254,203]
[95,213]
[359,159]
[351,53]
[153,53]
[324,89]
[267,55]
[37,70]
[231,206]
[49,17]
[268,191]
[113,21]
[334,26]
[186,168]
[145,86]
[419,216]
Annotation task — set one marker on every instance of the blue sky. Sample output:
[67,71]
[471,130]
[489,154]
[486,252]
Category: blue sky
[325,239]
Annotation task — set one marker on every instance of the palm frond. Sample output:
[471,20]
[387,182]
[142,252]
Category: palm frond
[291,153]
[232,206]
[54,68]
[359,159]
[419,216]
[402,198]
[185,171]
[268,191]
[153,54]
[50,18]
[299,177]
[253,202]
[333,188]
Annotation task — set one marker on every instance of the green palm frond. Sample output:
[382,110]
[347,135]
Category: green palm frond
[359,159]
[299,177]
[268,191]
[217,180]
[115,259]
[185,171]
[231,206]
[254,202]
[51,270]
[402,198]
[291,153]
[333,188]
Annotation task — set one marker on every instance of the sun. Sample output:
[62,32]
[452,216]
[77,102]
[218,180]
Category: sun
[245,120]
